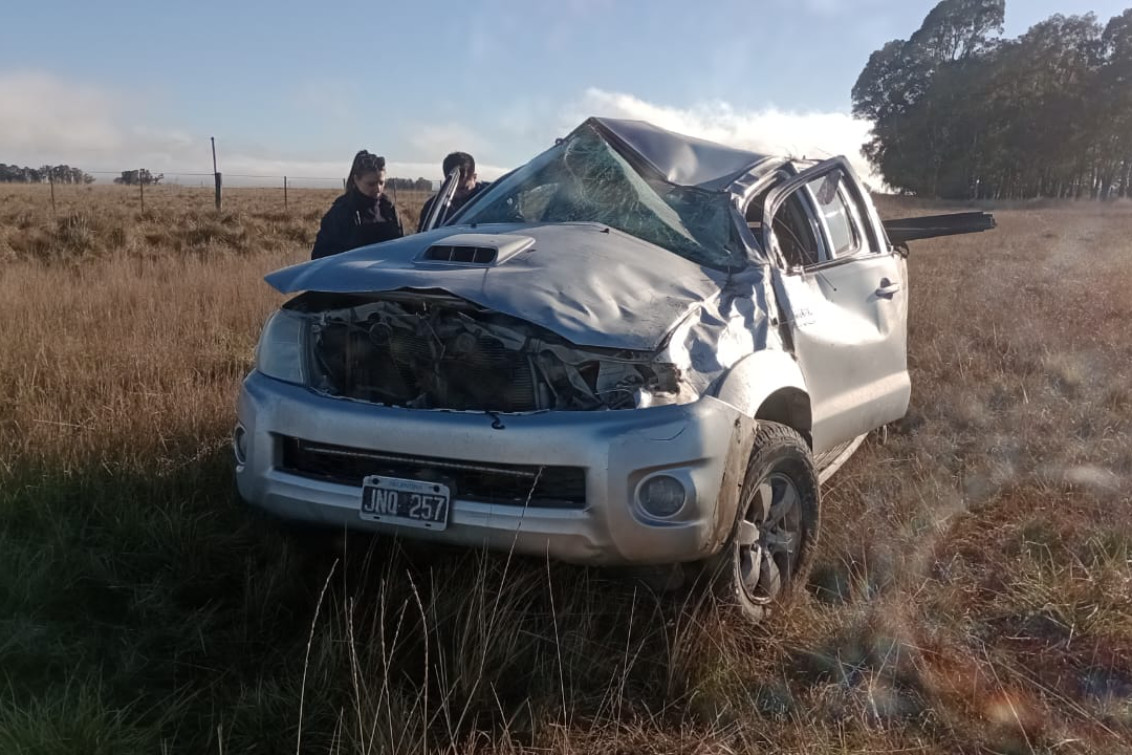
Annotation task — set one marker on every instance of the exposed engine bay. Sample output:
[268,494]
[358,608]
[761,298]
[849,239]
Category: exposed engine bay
[442,352]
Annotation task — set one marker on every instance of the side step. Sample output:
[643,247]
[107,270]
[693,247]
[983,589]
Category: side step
[831,460]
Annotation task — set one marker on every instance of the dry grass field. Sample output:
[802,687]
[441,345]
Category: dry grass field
[973,588]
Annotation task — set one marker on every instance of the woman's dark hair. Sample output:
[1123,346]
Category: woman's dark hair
[364,162]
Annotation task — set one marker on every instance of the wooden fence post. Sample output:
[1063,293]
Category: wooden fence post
[51,180]
[215,172]
[284,193]
[141,190]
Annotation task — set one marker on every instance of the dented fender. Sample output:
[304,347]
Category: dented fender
[731,486]
[757,377]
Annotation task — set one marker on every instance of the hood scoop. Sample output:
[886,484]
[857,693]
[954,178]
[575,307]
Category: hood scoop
[475,249]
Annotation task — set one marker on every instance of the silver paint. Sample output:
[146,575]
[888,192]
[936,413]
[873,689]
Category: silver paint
[828,342]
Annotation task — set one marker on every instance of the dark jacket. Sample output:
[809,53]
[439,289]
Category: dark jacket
[457,203]
[356,220]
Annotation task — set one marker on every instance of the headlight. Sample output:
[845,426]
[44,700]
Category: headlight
[668,388]
[645,398]
[281,352]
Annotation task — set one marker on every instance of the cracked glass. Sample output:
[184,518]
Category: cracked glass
[584,179]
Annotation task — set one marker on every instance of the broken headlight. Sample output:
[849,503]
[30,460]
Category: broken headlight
[422,354]
[666,389]
[281,351]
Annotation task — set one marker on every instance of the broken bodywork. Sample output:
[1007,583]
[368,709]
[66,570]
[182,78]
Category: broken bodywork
[579,362]
[437,352]
[585,285]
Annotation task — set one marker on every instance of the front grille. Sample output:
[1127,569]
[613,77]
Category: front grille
[507,484]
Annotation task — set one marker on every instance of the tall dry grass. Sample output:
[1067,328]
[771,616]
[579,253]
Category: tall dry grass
[128,331]
[972,591]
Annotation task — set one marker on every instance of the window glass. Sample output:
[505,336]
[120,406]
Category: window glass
[842,231]
[584,179]
[794,230]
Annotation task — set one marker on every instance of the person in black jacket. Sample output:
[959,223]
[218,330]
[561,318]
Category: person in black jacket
[467,188]
[361,216]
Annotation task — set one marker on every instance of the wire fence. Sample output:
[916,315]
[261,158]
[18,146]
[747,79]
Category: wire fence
[234,180]
[201,189]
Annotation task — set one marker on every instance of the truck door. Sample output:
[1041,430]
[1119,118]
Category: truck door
[843,300]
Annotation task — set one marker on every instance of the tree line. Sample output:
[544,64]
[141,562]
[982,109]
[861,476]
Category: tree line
[65,174]
[142,176]
[60,174]
[409,184]
[960,112]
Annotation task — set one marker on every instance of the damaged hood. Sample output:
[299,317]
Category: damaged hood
[592,285]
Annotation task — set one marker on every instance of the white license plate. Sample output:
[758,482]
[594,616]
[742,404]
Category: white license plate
[412,503]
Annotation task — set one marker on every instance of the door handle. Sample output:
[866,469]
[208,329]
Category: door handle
[887,288]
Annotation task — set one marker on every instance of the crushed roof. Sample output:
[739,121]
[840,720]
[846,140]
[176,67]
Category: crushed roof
[683,160]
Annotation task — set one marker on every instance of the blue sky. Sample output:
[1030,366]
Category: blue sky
[298,87]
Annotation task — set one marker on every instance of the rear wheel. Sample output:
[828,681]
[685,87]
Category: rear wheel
[776,528]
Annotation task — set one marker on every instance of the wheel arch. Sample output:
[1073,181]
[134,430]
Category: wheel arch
[769,385]
[791,407]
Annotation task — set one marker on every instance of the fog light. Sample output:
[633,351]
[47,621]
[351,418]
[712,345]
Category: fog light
[661,496]
[240,444]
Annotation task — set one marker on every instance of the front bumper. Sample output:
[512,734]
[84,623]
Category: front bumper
[705,443]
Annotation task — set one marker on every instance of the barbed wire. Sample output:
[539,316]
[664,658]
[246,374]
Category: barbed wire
[200,174]
[171,172]
[203,181]
[288,176]
[226,175]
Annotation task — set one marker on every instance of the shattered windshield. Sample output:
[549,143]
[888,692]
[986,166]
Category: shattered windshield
[583,179]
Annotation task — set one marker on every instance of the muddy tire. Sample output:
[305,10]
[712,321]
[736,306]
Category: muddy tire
[776,528]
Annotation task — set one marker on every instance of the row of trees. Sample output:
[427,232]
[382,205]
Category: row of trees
[60,174]
[960,112]
[65,174]
[142,176]
[409,184]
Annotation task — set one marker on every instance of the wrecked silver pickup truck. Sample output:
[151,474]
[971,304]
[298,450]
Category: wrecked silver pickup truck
[638,348]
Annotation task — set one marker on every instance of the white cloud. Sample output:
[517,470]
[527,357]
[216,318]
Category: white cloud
[439,140]
[770,131]
[40,114]
[442,138]
[48,119]
[45,119]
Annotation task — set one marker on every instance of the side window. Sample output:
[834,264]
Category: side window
[844,229]
[794,229]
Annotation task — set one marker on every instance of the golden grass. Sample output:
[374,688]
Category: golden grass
[129,331]
[972,591]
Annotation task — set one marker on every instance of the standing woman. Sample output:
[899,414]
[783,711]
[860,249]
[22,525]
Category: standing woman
[361,216]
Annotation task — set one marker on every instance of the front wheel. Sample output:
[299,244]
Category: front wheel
[776,527]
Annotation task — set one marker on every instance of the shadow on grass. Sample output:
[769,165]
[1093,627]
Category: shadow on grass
[153,603]
[141,611]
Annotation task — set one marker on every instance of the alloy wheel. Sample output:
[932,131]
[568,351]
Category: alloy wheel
[769,539]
